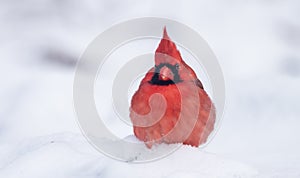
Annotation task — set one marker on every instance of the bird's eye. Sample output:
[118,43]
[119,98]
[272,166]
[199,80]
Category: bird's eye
[177,66]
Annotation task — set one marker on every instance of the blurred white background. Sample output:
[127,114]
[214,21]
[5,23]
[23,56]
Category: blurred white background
[256,42]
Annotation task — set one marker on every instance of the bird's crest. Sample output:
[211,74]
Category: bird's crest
[168,47]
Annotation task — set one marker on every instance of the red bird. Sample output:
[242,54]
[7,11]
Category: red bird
[171,105]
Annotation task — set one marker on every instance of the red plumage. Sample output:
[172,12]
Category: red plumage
[171,105]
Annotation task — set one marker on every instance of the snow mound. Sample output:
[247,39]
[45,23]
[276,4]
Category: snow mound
[69,155]
[186,162]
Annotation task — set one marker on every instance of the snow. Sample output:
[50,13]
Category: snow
[256,42]
[185,162]
[69,155]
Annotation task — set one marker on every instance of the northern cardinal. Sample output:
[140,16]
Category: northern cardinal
[170,105]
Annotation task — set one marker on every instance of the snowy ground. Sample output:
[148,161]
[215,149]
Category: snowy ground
[257,44]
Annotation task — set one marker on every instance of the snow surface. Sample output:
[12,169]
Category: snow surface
[257,44]
[69,155]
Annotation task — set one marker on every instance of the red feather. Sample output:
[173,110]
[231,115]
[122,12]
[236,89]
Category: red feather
[171,105]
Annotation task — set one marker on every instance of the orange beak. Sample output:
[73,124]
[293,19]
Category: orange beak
[166,74]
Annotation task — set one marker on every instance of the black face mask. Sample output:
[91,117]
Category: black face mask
[174,68]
